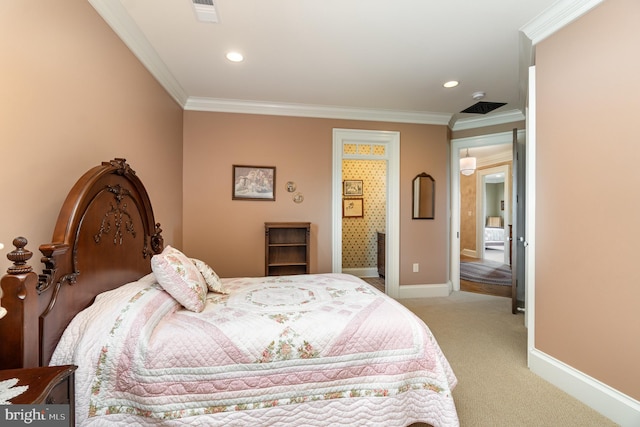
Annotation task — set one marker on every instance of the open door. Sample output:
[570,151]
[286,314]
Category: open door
[518,241]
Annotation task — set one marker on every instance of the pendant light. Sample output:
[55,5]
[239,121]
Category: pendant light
[467,164]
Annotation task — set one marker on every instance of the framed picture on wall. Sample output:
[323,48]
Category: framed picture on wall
[352,187]
[352,208]
[254,183]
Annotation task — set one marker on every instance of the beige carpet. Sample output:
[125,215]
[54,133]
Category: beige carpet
[486,346]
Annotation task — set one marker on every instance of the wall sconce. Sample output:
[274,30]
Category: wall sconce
[467,164]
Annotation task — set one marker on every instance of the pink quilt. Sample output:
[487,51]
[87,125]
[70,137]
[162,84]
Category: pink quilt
[290,350]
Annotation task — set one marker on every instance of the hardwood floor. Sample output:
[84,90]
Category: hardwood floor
[479,288]
[376,282]
[483,288]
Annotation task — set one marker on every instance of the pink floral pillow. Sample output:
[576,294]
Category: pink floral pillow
[180,278]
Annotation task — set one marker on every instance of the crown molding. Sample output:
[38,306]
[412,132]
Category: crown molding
[495,119]
[121,23]
[555,17]
[316,111]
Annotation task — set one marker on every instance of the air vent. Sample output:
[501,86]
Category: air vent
[205,10]
[483,107]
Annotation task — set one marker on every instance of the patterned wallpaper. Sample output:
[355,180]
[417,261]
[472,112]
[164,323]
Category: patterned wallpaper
[359,238]
[468,212]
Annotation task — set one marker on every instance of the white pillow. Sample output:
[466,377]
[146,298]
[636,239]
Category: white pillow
[180,278]
[210,277]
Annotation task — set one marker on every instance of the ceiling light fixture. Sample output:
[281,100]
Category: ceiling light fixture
[235,57]
[450,84]
[467,164]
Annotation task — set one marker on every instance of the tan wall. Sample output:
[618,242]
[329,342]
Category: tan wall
[230,234]
[587,229]
[73,96]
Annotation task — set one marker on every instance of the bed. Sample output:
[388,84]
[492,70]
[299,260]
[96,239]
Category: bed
[494,232]
[160,339]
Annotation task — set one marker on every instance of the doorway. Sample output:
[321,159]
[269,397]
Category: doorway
[493,202]
[484,222]
[357,144]
[364,184]
[498,143]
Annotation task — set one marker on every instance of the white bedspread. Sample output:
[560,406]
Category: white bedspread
[313,350]
[493,235]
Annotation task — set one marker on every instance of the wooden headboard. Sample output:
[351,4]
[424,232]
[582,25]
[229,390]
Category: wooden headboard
[104,237]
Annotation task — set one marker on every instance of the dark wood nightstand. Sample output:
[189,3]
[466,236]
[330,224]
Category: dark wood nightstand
[43,385]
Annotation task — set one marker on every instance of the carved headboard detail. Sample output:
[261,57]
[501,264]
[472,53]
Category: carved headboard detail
[104,237]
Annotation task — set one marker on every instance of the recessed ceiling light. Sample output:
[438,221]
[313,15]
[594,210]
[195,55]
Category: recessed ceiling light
[235,57]
[452,83]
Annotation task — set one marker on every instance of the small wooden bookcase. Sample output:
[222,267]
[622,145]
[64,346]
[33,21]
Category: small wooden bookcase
[286,248]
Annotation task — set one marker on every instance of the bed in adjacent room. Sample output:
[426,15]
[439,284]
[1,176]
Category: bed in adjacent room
[160,339]
[494,233]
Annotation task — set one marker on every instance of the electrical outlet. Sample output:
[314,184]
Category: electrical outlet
[416,267]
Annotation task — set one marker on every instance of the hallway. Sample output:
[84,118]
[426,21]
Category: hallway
[491,256]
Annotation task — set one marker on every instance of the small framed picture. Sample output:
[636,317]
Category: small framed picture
[352,187]
[352,208]
[254,183]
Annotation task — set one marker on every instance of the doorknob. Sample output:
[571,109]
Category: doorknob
[524,242]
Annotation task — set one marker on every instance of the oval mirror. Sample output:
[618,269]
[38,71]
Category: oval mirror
[424,191]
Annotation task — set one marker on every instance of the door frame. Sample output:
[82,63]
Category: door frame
[480,203]
[457,145]
[391,139]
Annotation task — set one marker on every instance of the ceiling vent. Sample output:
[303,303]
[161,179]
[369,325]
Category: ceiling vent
[205,10]
[483,107]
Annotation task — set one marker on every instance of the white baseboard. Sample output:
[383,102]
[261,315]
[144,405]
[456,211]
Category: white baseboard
[361,272]
[406,291]
[470,253]
[424,291]
[614,405]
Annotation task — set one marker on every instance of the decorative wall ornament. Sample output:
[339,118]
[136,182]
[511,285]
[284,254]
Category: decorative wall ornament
[298,197]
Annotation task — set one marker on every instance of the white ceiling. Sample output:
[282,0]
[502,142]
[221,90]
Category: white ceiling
[375,59]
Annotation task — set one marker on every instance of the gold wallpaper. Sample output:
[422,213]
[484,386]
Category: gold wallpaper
[468,212]
[359,238]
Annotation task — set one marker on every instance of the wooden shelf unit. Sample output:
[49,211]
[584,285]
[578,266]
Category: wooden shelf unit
[286,248]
